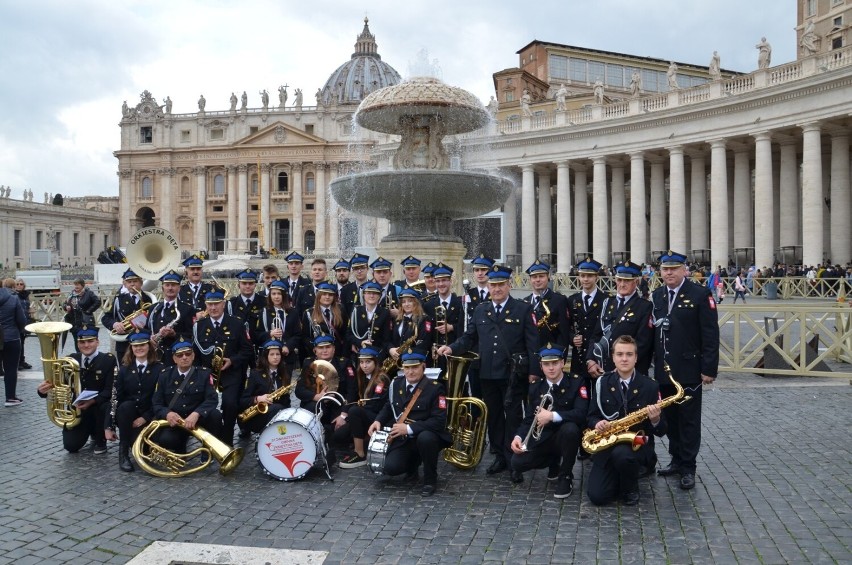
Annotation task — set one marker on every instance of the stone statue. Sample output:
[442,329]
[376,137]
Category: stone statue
[282,96]
[46,198]
[233,102]
[493,106]
[671,74]
[764,55]
[244,101]
[125,109]
[526,99]
[201,103]
[635,84]
[264,99]
[561,94]
[809,40]
[715,68]
[599,91]
[319,96]
[298,101]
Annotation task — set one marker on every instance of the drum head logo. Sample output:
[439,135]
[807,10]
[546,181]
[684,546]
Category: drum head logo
[291,450]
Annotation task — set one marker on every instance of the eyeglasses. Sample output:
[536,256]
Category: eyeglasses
[183,353]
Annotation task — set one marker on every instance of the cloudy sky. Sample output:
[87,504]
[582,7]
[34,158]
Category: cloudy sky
[66,66]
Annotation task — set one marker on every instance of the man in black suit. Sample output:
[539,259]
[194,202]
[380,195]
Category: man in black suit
[296,283]
[502,331]
[558,422]
[626,313]
[477,293]
[687,340]
[549,307]
[169,319]
[347,291]
[423,434]
[247,303]
[194,291]
[616,469]
[584,311]
[129,300]
[450,323]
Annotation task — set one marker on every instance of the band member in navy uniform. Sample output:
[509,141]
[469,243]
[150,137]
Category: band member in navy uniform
[134,391]
[347,291]
[169,318]
[382,274]
[687,339]
[616,470]
[370,324]
[266,378]
[219,329]
[502,331]
[97,371]
[360,272]
[248,303]
[130,299]
[550,308]
[423,434]
[194,291]
[411,272]
[296,283]
[325,318]
[476,295]
[427,272]
[626,313]
[557,423]
[262,326]
[411,326]
[371,394]
[447,310]
[186,398]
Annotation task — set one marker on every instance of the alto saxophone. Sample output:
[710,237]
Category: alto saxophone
[262,407]
[390,363]
[618,431]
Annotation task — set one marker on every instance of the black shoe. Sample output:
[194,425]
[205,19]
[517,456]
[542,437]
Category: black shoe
[564,488]
[498,466]
[24,365]
[411,476]
[687,481]
[631,499]
[553,472]
[99,448]
[672,469]
[582,455]
[648,469]
[516,477]
[427,490]
[124,460]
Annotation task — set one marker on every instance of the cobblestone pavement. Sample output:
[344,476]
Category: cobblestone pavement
[773,487]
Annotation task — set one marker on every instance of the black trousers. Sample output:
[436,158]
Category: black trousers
[404,456]
[232,389]
[615,472]
[516,399]
[174,439]
[92,422]
[358,421]
[684,427]
[494,396]
[125,413]
[559,446]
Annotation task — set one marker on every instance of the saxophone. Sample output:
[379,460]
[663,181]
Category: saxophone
[262,408]
[390,363]
[619,430]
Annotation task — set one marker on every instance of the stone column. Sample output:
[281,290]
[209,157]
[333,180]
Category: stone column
[743,232]
[677,200]
[201,242]
[581,213]
[334,219]
[510,213]
[698,203]
[659,231]
[242,209]
[764,202]
[600,211]
[564,255]
[296,226]
[789,196]
[231,229]
[266,203]
[841,234]
[812,235]
[125,191]
[321,191]
[545,213]
[528,218]
[618,225]
[638,223]
[166,198]
[719,241]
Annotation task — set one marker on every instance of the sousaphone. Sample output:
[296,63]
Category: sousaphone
[152,252]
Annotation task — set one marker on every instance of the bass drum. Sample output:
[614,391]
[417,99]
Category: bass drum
[288,446]
[377,449]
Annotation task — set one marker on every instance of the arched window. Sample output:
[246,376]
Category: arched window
[310,183]
[282,182]
[219,185]
[253,189]
[147,188]
[184,187]
[310,241]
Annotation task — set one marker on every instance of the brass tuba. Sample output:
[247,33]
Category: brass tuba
[63,373]
[468,430]
[160,462]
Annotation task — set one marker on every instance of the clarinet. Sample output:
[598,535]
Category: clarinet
[113,400]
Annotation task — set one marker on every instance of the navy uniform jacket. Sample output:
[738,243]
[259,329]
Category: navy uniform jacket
[131,386]
[376,394]
[197,396]
[633,320]
[159,317]
[423,341]
[583,322]
[237,306]
[690,345]
[259,383]
[99,376]
[348,296]
[306,389]
[496,339]
[303,287]
[556,329]
[122,306]
[358,324]
[197,300]
[309,332]
[429,412]
[455,318]
[231,337]
[260,324]
[570,401]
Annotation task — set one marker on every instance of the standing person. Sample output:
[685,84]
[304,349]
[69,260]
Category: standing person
[119,312]
[411,327]
[80,308]
[382,274]
[550,308]
[194,290]
[411,271]
[325,317]
[296,283]
[360,272]
[450,324]
[248,302]
[347,292]
[616,470]
[370,324]
[262,327]
[739,287]
[477,294]
[24,297]
[169,319]
[12,322]
[687,340]
[502,331]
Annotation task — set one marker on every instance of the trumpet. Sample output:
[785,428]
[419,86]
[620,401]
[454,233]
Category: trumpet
[543,322]
[440,318]
[277,324]
[137,318]
[262,407]
[535,428]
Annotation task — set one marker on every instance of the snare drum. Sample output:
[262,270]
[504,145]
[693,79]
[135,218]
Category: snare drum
[377,449]
[288,446]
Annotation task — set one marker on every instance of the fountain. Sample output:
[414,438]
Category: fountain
[421,195]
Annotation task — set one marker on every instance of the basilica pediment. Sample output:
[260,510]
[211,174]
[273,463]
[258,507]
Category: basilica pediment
[280,133]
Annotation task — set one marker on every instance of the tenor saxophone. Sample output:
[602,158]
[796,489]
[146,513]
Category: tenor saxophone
[619,430]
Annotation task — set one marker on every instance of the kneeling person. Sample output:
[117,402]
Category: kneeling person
[420,435]
[558,425]
[356,418]
[270,375]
